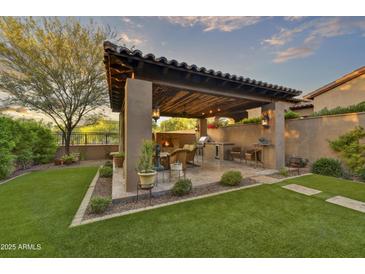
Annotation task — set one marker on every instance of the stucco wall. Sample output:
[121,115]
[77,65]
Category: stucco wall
[309,137]
[349,93]
[89,152]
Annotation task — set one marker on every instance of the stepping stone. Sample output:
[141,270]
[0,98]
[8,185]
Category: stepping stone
[302,189]
[265,179]
[347,202]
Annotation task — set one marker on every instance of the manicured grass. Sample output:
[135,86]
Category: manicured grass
[332,186]
[264,221]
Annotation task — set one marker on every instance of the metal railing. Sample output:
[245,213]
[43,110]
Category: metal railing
[89,138]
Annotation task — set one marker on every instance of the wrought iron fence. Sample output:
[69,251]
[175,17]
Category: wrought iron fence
[89,138]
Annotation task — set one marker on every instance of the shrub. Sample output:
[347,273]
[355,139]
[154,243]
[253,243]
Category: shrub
[108,163]
[231,178]
[99,204]
[106,172]
[24,142]
[360,107]
[254,120]
[351,150]
[182,187]
[291,115]
[327,167]
[284,172]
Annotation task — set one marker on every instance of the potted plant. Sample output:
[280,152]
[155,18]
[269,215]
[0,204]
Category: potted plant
[118,158]
[67,159]
[145,165]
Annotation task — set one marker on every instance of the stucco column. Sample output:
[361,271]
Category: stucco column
[137,125]
[274,156]
[121,131]
[203,127]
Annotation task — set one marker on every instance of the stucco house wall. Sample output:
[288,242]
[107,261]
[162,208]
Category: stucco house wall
[349,93]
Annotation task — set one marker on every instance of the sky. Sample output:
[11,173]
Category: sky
[303,53]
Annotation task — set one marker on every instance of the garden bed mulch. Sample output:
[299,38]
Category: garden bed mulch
[161,199]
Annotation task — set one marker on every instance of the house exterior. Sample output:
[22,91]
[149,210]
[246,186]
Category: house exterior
[345,91]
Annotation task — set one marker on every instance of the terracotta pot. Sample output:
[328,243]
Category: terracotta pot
[58,162]
[118,161]
[68,162]
[147,179]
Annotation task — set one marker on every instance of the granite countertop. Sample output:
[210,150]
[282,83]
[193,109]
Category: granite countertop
[219,143]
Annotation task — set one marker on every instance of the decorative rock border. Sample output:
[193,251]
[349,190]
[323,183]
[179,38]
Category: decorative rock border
[77,220]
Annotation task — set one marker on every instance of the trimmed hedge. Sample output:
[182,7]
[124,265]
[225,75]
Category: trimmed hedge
[24,143]
[360,107]
[327,167]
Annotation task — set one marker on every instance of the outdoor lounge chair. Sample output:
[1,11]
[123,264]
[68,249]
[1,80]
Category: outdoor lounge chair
[179,156]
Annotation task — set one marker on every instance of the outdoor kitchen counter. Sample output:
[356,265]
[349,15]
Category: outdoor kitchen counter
[217,150]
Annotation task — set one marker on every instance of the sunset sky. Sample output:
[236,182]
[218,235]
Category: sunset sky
[304,53]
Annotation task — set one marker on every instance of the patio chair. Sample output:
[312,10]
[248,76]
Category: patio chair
[179,156]
[295,163]
[236,152]
[250,156]
[190,156]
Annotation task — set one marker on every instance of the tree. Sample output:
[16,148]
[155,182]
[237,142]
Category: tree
[55,67]
[177,124]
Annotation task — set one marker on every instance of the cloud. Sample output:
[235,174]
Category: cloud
[129,40]
[292,53]
[309,36]
[293,18]
[210,23]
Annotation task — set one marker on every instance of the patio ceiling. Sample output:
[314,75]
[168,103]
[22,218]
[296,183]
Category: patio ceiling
[187,91]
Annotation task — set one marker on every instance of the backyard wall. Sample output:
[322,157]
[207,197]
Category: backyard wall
[89,152]
[306,137]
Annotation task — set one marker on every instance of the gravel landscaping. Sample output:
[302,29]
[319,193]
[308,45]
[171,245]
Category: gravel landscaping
[102,187]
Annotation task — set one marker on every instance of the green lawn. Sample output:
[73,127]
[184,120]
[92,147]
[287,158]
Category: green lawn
[265,221]
[332,186]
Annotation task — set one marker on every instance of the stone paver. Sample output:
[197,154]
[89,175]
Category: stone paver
[347,202]
[302,189]
[266,179]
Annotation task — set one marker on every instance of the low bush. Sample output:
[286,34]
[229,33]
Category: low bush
[291,115]
[284,172]
[182,187]
[99,204]
[360,107]
[327,167]
[106,172]
[108,163]
[231,178]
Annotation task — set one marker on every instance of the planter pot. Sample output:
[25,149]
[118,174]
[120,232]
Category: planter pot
[68,162]
[147,179]
[118,161]
[58,162]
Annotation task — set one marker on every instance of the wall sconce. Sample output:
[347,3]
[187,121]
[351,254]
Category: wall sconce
[156,113]
[197,128]
[265,120]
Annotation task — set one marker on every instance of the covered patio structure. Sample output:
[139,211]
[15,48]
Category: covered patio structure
[137,83]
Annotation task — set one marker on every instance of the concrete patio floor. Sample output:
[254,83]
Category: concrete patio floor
[205,173]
